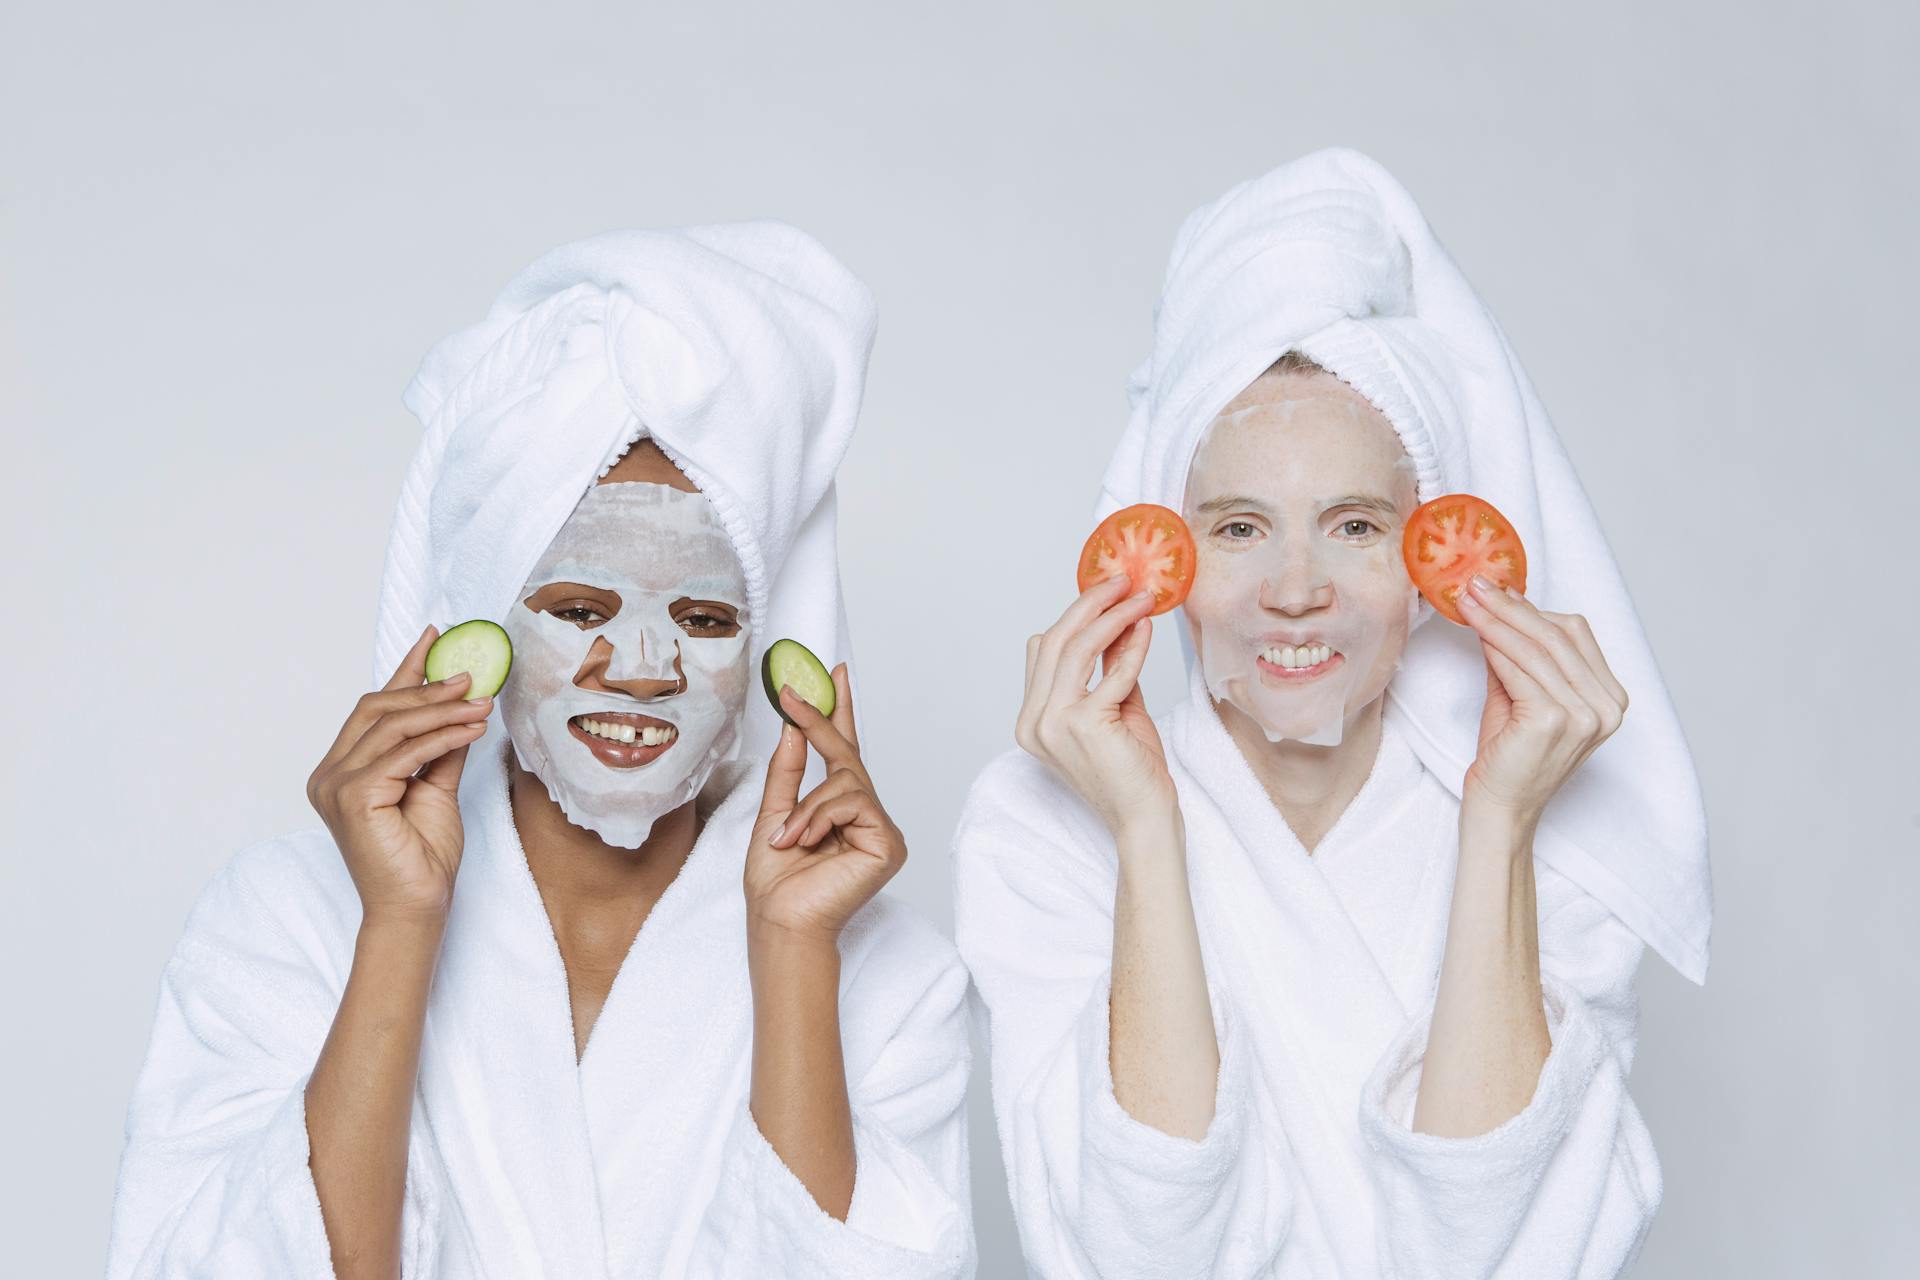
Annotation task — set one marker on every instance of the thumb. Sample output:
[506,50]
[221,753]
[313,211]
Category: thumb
[445,771]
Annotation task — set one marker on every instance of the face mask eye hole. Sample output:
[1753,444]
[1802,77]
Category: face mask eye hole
[586,617]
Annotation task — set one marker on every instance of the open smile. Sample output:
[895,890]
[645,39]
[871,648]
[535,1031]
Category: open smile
[1295,666]
[623,739]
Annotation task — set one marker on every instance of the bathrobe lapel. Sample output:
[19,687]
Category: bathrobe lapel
[561,1167]
[1316,1003]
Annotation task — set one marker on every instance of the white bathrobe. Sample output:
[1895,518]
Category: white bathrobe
[1322,971]
[641,1161]
[741,350]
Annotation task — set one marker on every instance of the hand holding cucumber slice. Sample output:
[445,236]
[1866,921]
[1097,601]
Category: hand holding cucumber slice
[478,647]
[790,662]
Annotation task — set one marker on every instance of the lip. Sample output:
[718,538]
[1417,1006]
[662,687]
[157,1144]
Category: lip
[1298,675]
[620,755]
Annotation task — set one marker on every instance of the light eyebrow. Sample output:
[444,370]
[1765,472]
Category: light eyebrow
[1230,502]
[1368,501]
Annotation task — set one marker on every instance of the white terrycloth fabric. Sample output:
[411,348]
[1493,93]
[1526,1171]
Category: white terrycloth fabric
[1322,973]
[742,350]
[1329,255]
[1323,968]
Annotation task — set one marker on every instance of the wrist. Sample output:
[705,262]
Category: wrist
[1152,835]
[1495,829]
[1156,826]
[403,922]
[790,946]
[398,946]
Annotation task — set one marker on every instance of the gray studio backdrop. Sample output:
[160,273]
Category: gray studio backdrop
[229,233]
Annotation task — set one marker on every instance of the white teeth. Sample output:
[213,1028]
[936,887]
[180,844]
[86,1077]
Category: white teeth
[615,731]
[1307,655]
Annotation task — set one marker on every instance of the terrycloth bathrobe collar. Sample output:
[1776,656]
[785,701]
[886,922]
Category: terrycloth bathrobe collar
[1316,998]
[554,1149]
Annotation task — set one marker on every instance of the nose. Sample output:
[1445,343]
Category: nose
[596,672]
[1297,583]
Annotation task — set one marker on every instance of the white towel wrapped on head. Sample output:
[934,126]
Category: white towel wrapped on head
[1323,968]
[741,350]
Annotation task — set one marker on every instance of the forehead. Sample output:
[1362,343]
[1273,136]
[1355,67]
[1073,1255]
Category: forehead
[640,534]
[1292,434]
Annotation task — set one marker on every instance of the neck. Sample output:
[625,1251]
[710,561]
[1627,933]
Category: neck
[581,876]
[1311,786]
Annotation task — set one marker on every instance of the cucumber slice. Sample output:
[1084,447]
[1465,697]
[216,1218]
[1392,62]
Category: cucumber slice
[479,648]
[790,662]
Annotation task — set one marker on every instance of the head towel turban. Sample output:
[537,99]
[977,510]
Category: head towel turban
[1329,256]
[740,349]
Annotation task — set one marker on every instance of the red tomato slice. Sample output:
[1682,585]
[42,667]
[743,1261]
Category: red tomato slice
[1151,545]
[1452,538]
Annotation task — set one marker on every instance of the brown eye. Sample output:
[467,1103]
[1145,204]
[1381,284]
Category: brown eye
[700,622]
[579,614]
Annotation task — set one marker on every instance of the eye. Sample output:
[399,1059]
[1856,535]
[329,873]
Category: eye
[579,614]
[1246,529]
[699,622]
[1347,525]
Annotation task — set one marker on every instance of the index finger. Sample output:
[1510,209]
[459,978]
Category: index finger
[1095,600]
[413,668]
[784,769]
[843,705]
[1089,603]
[820,732]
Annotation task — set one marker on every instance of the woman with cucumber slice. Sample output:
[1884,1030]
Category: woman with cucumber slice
[589,978]
[1328,971]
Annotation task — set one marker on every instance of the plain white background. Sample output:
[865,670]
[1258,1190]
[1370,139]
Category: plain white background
[231,231]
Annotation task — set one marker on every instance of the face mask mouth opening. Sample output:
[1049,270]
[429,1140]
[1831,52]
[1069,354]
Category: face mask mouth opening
[618,742]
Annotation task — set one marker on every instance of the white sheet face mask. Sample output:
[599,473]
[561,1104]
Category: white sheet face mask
[1301,604]
[639,610]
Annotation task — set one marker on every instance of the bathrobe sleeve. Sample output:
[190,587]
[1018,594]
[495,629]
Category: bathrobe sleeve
[1569,1186]
[1095,1191]
[214,1180]
[904,1040]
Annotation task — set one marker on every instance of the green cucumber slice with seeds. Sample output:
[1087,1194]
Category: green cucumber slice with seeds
[790,662]
[478,647]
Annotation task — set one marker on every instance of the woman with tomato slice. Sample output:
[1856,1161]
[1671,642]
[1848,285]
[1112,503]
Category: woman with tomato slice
[1327,971]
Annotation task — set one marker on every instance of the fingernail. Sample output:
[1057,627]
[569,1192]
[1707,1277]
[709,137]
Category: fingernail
[1481,582]
[485,699]
[1143,594]
[779,831]
[1466,600]
[1513,594]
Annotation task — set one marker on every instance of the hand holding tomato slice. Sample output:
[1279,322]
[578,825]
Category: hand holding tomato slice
[1450,539]
[1151,545]
[1551,698]
[1101,741]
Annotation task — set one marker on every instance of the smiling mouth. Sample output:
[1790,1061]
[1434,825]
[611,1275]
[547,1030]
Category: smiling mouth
[623,739]
[1308,662]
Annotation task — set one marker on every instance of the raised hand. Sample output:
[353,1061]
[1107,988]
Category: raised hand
[388,788]
[1551,700]
[1101,741]
[814,861]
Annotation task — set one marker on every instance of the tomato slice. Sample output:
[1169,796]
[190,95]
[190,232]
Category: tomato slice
[1452,538]
[1151,545]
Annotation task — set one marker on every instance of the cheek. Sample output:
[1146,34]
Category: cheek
[1219,582]
[547,652]
[718,668]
